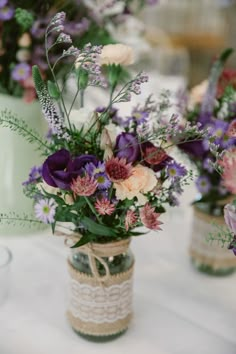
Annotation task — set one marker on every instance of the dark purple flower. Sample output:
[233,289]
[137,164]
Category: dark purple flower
[194,148]
[56,170]
[6,13]
[127,146]
[59,169]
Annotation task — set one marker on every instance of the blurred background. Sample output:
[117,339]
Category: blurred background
[188,34]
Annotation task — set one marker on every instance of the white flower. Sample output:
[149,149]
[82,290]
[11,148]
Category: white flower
[43,186]
[23,55]
[117,54]
[108,139]
[83,117]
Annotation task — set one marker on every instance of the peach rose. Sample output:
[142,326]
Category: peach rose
[117,54]
[141,181]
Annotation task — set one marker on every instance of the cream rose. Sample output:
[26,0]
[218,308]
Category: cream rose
[83,117]
[141,181]
[43,186]
[24,40]
[197,92]
[117,54]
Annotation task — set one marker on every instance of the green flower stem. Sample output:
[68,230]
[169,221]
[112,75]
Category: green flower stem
[92,209]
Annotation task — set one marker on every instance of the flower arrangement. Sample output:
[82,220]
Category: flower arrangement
[212,106]
[107,174]
[88,21]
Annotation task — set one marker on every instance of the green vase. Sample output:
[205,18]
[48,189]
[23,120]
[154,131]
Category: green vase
[100,309]
[16,158]
[207,257]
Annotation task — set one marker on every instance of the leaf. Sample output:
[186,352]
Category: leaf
[225,55]
[53,90]
[84,239]
[136,233]
[98,229]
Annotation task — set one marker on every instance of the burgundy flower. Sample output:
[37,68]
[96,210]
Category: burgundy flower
[155,157]
[127,146]
[118,170]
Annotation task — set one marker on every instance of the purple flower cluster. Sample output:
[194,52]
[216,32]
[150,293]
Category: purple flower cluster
[34,175]
[135,85]
[97,171]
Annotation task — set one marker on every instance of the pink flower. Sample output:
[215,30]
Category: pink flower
[117,169]
[104,206]
[130,219]
[84,186]
[231,132]
[149,217]
[230,217]
[228,163]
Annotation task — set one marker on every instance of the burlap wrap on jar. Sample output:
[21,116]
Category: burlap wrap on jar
[100,305]
[206,253]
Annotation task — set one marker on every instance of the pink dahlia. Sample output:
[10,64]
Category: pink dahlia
[104,206]
[149,217]
[228,163]
[118,169]
[130,219]
[84,186]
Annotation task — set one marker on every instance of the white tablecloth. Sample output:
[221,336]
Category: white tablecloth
[176,309]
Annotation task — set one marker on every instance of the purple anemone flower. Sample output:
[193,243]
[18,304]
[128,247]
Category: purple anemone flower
[203,184]
[194,148]
[59,169]
[127,146]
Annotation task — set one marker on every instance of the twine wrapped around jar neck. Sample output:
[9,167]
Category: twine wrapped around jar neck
[97,251]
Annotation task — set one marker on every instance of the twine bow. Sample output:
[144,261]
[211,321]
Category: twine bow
[97,251]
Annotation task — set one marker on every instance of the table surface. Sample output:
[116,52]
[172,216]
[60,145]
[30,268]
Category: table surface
[176,309]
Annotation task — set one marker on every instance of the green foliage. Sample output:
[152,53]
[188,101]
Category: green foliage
[52,88]
[9,120]
[24,18]
[14,218]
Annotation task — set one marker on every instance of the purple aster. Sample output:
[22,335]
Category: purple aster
[21,72]
[207,164]
[97,171]
[3,3]
[203,184]
[34,175]
[175,170]
[218,130]
[45,210]
[140,116]
[6,13]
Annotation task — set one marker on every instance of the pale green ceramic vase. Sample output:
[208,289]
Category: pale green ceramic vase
[17,156]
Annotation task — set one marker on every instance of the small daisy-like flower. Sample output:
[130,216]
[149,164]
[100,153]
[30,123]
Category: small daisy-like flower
[175,170]
[45,210]
[130,219]
[104,206]
[203,184]
[118,169]
[84,186]
[98,173]
[21,72]
[6,13]
[149,217]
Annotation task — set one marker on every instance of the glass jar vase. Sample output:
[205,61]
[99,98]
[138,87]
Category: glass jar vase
[100,304]
[208,257]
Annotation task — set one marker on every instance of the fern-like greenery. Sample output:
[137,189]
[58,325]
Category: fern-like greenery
[14,218]
[11,121]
